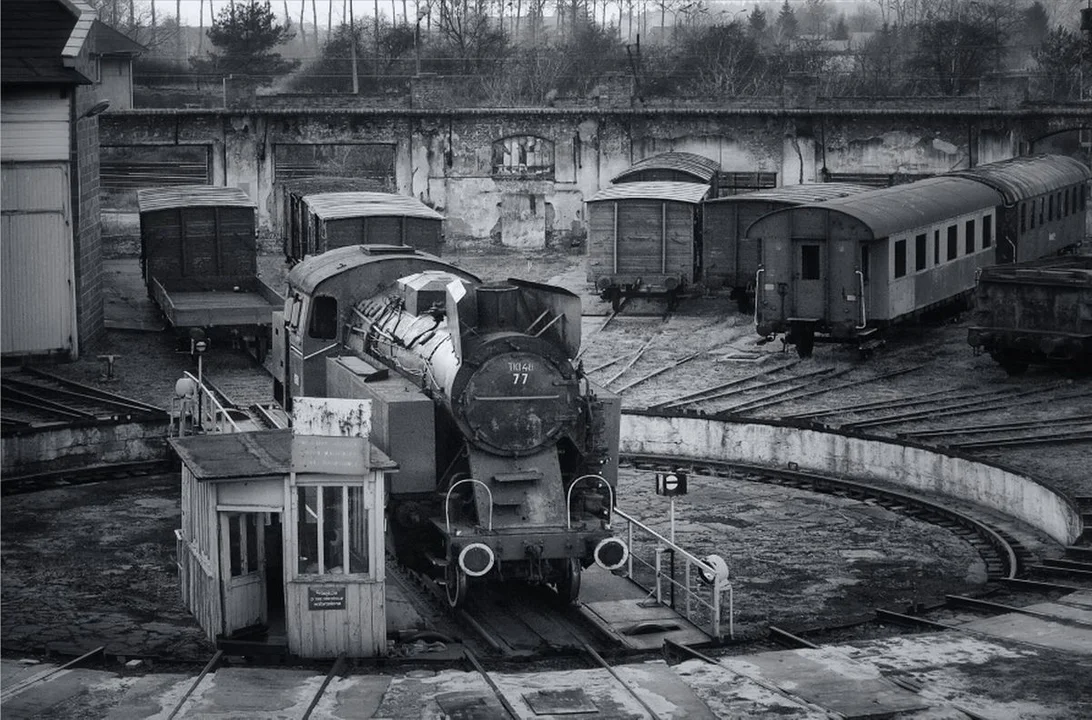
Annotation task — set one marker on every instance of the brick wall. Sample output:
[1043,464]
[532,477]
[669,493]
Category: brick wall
[88,230]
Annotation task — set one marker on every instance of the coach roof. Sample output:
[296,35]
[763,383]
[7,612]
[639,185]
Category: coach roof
[337,205]
[797,194]
[893,210]
[166,198]
[1029,176]
[658,190]
[702,168]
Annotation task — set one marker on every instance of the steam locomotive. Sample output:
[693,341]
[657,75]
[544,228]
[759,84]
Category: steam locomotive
[507,454]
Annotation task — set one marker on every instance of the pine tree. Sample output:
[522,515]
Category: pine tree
[245,34]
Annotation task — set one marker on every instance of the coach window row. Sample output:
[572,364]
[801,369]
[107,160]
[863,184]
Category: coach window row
[971,230]
[1055,207]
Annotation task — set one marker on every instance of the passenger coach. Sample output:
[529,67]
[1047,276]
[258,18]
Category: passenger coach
[843,269]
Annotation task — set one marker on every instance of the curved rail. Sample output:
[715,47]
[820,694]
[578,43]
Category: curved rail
[1006,555]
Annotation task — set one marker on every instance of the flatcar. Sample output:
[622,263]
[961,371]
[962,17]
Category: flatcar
[845,269]
[199,261]
[508,455]
[323,221]
[642,240]
[1037,312]
[728,259]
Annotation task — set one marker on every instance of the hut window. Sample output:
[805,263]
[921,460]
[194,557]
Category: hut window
[333,526]
[809,262]
[900,258]
[323,318]
[920,252]
[987,231]
[968,236]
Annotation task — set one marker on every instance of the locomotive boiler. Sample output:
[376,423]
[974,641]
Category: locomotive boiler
[507,454]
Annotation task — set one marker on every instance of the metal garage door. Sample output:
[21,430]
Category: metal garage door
[37,296]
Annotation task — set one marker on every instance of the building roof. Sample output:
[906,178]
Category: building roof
[702,168]
[796,194]
[1020,178]
[108,41]
[692,193]
[337,205]
[40,40]
[236,455]
[165,198]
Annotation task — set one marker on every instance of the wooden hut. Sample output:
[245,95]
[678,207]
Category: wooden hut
[281,548]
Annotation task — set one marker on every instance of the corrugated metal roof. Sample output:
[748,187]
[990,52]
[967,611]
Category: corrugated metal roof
[1024,177]
[335,205]
[675,191]
[165,198]
[798,194]
[701,167]
[896,209]
[236,455]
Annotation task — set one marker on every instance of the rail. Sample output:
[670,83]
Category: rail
[198,410]
[706,591]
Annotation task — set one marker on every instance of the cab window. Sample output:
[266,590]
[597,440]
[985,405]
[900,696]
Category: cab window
[323,318]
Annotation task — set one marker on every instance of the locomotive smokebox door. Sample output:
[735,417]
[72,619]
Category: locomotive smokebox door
[671,483]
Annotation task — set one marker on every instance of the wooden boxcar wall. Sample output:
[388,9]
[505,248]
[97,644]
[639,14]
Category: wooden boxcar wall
[729,257]
[653,237]
[198,242]
[421,233]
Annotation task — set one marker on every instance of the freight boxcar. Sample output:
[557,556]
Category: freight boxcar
[198,257]
[339,219]
[1037,312]
[729,259]
[642,238]
[290,210]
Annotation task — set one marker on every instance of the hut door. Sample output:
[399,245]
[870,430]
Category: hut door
[810,275]
[242,569]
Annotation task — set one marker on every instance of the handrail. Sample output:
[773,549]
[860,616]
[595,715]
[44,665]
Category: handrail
[216,413]
[864,311]
[447,502]
[569,500]
[758,289]
[719,579]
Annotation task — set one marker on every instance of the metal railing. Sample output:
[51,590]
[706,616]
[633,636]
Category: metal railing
[199,412]
[703,586]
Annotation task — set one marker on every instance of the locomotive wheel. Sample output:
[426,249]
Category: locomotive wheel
[458,586]
[568,583]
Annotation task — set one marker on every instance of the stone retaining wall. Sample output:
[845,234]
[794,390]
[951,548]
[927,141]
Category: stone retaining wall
[914,467]
[41,450]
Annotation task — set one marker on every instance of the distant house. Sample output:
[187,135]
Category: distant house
[51,280]
[114,53]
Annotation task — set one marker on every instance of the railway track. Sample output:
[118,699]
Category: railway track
[1003,555]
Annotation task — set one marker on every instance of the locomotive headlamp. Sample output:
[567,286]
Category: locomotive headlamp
[476,559]
[611,553]
[719,570]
